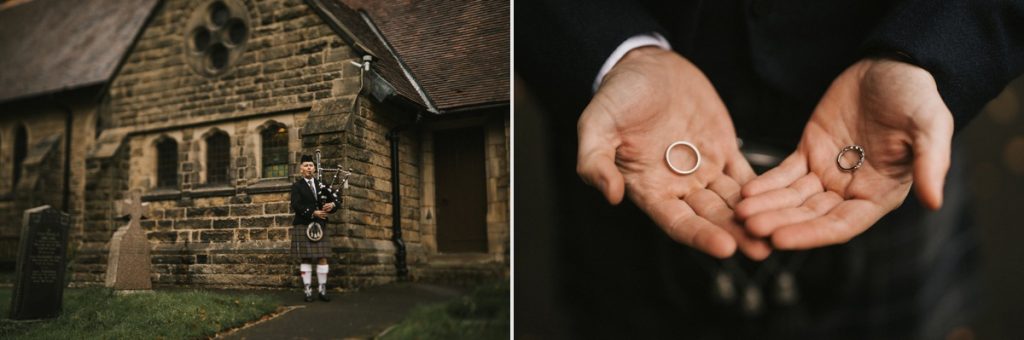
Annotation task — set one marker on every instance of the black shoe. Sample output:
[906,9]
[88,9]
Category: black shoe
[324,298]
[309,297]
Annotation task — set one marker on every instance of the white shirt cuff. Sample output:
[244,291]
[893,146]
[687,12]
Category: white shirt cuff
[636,41]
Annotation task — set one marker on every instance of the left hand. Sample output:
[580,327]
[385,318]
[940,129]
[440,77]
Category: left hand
[894,111]
[329,207]
[651,98]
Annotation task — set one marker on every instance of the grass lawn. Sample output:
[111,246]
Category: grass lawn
[483,314]
[91,313]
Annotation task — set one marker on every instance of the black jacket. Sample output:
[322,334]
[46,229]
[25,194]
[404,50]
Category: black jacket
[303,202]
[771,60]
[911,276]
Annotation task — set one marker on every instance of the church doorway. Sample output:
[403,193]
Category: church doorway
[461,192]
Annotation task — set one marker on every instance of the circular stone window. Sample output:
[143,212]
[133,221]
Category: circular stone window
[216,35]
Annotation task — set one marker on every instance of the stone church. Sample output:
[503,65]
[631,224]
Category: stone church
[205,107]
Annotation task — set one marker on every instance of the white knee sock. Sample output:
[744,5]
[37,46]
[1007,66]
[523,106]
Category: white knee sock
[307,276]
[321,277]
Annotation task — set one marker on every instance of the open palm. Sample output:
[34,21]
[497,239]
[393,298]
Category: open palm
[650,99]
[891,109]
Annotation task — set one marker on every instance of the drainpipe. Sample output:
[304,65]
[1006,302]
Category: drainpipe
[68,117]
[67,161]
[396,205]
[401,268]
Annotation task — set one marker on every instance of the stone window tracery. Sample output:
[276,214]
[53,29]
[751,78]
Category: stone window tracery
[216,35]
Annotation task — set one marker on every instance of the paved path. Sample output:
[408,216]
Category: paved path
[358,315]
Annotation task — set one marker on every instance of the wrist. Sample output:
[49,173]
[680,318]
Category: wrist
[654,40]
[640,53]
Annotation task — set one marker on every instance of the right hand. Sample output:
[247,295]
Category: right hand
[328,207]
[320,214]
[650,99]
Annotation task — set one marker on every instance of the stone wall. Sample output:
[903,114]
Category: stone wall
[42,175]
[498,181]
[470,268]
[40,123]
[364,236]
[295,72]
[291,60]
[292,70]
[106,181]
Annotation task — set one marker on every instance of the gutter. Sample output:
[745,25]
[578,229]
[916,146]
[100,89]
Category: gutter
[405,68]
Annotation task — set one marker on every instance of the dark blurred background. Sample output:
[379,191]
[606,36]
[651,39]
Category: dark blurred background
[994,144]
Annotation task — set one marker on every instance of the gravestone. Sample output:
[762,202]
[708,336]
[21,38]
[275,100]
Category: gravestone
[42,257]
[128,265]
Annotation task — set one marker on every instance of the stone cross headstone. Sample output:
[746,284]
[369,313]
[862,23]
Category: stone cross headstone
[128,265]
[42,257]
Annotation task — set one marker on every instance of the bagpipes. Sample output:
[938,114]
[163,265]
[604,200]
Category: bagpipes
[326,193]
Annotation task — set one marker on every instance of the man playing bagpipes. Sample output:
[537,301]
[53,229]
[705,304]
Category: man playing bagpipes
[311,202]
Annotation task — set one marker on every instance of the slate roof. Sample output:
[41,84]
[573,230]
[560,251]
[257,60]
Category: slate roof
[458,51]
[354,28]
[51,45]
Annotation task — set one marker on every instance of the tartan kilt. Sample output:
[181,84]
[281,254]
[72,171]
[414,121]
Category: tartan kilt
[303,248]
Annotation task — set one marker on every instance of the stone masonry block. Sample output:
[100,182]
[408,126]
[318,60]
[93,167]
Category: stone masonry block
[225,224]
[257,222]
[277,234]
[246,209]
[217,236]
[201,223]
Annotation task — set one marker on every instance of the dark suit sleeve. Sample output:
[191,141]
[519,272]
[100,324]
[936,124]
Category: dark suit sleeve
[561,45]
[297,207]
[972,48]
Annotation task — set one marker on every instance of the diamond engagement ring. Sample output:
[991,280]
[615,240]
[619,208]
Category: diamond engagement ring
[668,159]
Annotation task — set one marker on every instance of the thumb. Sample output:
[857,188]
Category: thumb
[932,149]
[595,162]
[598,170]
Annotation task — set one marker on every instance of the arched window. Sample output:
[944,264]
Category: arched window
[218,158]
[275,151]
[167,163]
[20,151]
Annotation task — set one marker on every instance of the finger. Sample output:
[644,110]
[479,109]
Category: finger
[846,220]
[683,225]
[739,169]
[764,224]
[726,188]
[787,197]
[931,163]
[781,176]
[595,163]
[710,206]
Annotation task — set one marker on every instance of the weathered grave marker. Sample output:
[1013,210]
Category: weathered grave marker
[128,265]
[42,257]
